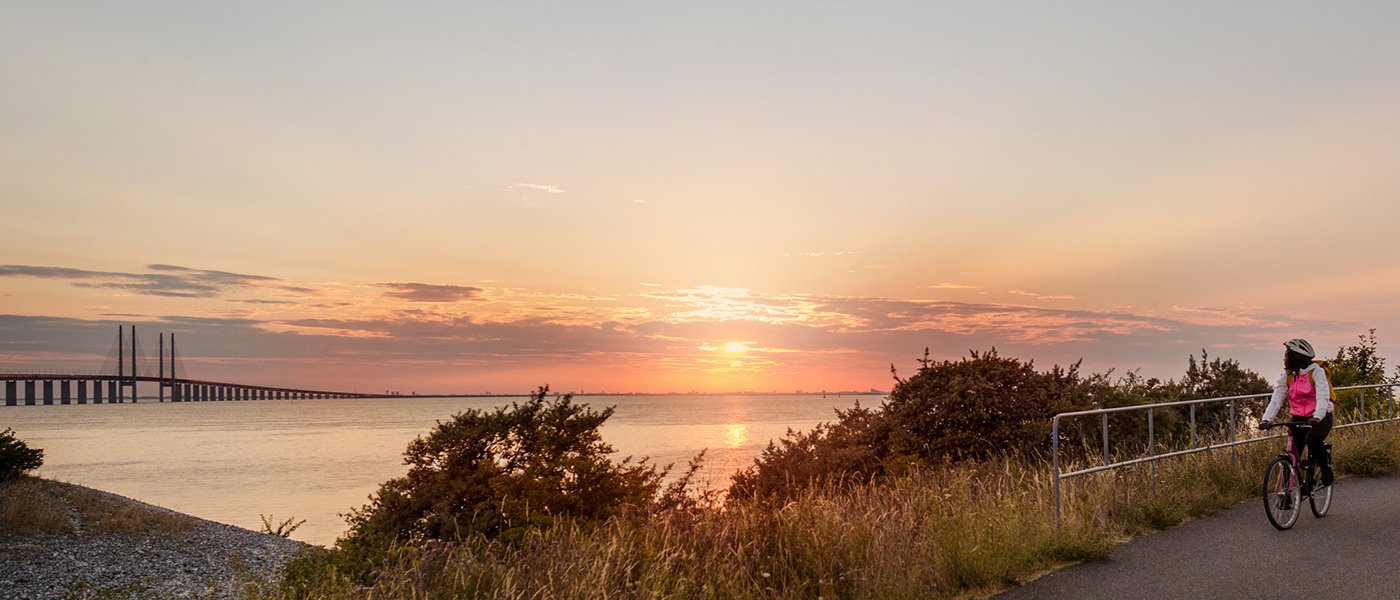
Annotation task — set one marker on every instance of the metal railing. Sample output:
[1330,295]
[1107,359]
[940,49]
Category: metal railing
[1231,441]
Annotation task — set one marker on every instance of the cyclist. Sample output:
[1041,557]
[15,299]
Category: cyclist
[1304,383]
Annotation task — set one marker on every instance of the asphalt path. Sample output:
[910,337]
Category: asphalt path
[1236,554]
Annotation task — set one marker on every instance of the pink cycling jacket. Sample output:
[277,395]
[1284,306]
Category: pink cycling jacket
[1309,394]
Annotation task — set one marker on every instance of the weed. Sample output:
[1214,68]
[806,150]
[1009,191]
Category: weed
[283,529]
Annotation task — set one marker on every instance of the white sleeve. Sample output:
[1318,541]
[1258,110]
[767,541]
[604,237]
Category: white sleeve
[1324,393]
[1276,401]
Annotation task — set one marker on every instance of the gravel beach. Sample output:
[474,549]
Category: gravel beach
[59,540]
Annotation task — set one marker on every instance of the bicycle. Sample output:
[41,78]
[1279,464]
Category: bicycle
[1289,478]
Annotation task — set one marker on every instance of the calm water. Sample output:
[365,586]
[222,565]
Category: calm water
[313,459]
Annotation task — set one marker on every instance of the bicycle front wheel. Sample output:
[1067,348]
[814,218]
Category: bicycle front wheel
[1282,494]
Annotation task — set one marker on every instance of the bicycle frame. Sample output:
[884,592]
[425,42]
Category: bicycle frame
[1295,456]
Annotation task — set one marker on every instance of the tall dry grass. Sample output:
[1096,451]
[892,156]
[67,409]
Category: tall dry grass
[34,506]
[954,530]
[29,507]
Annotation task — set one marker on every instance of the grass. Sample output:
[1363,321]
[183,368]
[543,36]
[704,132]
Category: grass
[32,506]
[958,530]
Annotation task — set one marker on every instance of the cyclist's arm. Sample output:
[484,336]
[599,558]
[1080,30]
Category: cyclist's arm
[1324,393]
[1276,401]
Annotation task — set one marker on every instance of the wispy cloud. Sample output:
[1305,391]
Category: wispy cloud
[546,188]
[166,280]
[427,292]
[950,286]
[825,253]
[1039,296]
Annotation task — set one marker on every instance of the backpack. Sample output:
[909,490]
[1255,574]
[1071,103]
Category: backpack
[1331,394]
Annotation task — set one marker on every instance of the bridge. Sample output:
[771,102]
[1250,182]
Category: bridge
[121,386]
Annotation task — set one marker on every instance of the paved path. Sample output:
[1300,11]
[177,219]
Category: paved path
[1236,554]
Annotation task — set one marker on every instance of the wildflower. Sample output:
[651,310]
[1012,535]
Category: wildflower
[766,574]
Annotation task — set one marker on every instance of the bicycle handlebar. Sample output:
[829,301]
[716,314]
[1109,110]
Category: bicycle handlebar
[1290,425]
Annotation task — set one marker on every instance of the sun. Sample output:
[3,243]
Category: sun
[735,347]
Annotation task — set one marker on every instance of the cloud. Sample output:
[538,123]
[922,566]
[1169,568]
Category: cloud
[426,292]
[1039,296]
[658,333]
[167,280]
[548,189]
[821,254]
[950,286]
[223,278]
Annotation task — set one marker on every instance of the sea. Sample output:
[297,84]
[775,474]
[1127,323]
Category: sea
[314,460]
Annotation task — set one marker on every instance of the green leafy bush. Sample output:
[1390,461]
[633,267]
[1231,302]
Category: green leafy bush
[973,408]
[16,457]
[502,474]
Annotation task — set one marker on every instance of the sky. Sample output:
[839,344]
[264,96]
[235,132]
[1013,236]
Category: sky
[451,197]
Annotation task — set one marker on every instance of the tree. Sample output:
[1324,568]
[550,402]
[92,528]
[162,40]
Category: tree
[1358,364]
[499,474]
[16,457]
[1220,378]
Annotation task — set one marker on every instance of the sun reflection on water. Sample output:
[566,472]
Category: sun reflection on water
[736,435]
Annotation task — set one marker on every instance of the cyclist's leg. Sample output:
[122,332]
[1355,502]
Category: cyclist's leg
[1300,438]
[1316,438]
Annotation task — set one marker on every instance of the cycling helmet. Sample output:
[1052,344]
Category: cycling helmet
[1301,346]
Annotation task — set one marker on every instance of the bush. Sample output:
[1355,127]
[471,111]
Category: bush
[855,447]
[501,474]
[974,408]
[979,407]
[16,457]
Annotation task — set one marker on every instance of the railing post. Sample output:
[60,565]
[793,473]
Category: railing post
[1364,418]
[1055,459]
[1233,452]
[1105,439]
[1193,425]
[1152,448]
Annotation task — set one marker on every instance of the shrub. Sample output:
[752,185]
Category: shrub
[978,407]
[501,474]
[855,447]
[16,457]
[973,408]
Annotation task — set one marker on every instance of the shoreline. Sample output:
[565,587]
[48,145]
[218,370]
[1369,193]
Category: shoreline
[61,539]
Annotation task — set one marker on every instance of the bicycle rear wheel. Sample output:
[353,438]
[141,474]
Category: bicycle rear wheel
[1320,500]
[1282,494]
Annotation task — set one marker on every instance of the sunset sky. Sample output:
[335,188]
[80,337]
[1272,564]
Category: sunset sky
[717,196]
